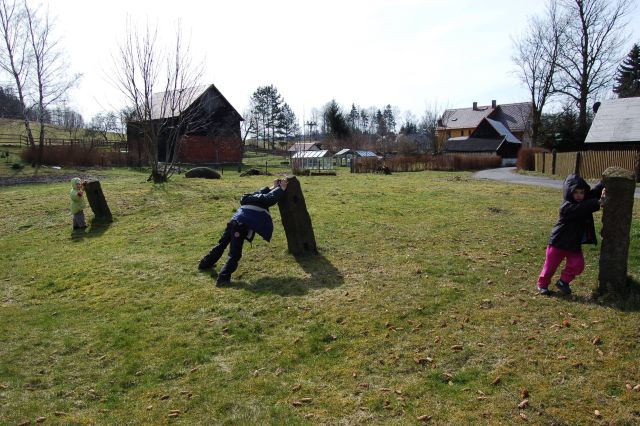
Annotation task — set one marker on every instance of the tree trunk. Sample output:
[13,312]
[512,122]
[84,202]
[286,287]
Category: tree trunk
[97,201]
[296,221]
[616,227]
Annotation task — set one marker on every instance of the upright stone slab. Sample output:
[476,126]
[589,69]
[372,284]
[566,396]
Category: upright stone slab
[296,220]
[98,203]
[616,228]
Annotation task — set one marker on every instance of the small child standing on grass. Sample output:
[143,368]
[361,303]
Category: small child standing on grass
[77,203]
[575,227]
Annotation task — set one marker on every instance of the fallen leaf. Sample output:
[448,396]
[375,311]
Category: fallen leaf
[306,400]
[496,381]
[524,393]
[60,413]
[193,370]
[524,404]
[385,390]
[456,347]
[308,415]
[174,411]
[629,386]
[149,407]
[636,388]
[481,398]
[296,388]
[173,414]
[40,419]
[598,414]
[597,341]
[296,403]
[424,418]
[566,323]
[354,374]
[25,423]
[163,397]
[523,416]
[562,357]
[599,352]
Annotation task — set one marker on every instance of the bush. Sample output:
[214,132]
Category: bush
[76,155]
[448,162]
[202,172]
[17,166]
[527,159]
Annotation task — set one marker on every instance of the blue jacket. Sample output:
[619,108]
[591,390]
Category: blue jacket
[254,211]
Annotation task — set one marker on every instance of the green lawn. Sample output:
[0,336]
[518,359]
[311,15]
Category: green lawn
[420,303]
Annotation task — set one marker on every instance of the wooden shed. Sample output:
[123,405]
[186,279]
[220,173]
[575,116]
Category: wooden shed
[215,140]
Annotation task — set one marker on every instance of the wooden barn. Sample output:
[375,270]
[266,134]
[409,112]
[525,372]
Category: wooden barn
[210,134]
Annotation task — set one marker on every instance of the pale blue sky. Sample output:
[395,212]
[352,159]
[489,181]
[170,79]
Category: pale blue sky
[407,53]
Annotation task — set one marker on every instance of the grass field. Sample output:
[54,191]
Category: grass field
[420,307]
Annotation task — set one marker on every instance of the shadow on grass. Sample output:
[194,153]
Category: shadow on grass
[323,275]
[629,302]
[96,229]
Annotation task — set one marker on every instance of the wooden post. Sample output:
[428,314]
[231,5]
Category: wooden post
[296,221]
[98,203]
[576,168]
[616,227]
[554,154]
[544,159]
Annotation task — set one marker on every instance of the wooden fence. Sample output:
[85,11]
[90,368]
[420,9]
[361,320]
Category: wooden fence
[22,140]
[589,164]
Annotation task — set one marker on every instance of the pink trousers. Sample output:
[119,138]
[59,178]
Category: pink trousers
[555,256]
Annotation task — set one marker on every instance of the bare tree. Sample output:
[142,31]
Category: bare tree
[50,78]
[536,58]
[591,42]
[160,86]
[14,57]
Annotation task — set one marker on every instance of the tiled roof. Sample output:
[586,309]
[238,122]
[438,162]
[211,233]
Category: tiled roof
[515,116]
[617,120]
[464,118]
[160,108]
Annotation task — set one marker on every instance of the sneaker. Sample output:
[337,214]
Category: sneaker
[223,281]
[544,291]
[206,263]
[563,287]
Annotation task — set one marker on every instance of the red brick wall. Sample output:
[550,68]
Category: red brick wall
[207,149]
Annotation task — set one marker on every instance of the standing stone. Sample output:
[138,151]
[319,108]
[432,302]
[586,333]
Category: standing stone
[616,228]
[296,220]
[97,201]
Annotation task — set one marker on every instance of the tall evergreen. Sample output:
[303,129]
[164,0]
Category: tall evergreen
[628,75]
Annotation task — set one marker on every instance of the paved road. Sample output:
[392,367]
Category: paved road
[508,174]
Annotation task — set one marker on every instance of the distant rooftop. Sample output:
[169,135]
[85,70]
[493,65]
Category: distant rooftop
[617,120]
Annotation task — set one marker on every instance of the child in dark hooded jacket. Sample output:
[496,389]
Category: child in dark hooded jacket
[574,227]
[252,217]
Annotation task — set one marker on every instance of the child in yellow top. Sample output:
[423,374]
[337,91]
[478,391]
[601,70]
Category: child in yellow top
[77,203]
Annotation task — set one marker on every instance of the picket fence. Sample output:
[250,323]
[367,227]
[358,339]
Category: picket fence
[589,164]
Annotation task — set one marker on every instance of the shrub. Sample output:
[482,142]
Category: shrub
[428,162]
[202,172]
[17,166]
[527,159]
[76,155]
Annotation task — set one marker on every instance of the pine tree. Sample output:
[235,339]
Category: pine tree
[628,75]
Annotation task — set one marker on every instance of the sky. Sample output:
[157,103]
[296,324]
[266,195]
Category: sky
[411,54]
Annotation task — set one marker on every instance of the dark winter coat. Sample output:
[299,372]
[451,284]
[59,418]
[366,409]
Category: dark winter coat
[575,225]
[254,211]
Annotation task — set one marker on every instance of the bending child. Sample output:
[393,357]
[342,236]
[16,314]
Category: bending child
[574,227]
[252,217]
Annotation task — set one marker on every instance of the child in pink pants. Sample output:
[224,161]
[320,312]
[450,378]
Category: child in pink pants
[574,227]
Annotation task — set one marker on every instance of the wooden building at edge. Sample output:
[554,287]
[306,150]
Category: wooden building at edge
[216,140]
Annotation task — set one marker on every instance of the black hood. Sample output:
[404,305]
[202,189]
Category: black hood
[571,183]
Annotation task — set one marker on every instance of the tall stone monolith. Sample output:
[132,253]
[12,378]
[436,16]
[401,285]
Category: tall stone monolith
[616,227]
[296,220]
[98,203]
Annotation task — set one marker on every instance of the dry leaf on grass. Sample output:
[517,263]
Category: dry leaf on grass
[496,381]
[598,414]
[524,404]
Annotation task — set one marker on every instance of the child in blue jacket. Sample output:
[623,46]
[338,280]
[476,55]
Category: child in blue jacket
[252,217]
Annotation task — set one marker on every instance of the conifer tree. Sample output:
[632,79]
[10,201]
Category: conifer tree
[628,75]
